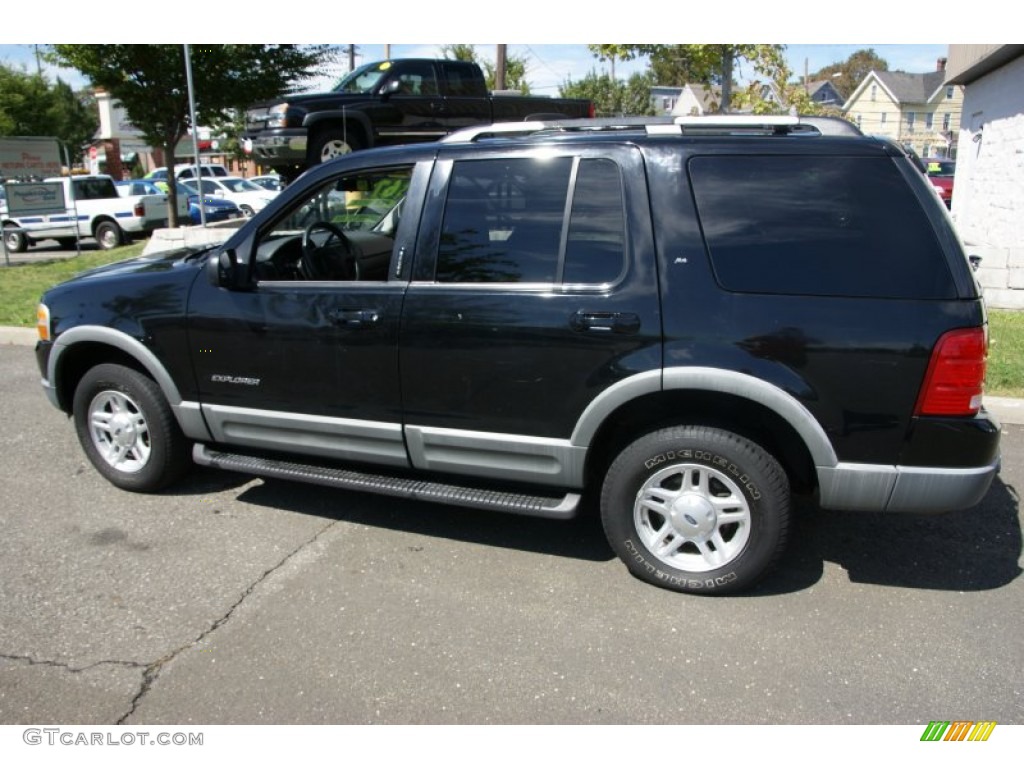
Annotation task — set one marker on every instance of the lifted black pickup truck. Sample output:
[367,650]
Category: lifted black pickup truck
[388,102]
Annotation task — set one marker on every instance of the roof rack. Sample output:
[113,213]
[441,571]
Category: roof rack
[701,125]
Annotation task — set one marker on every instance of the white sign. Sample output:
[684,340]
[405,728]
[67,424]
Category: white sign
[21,157]
[25,199]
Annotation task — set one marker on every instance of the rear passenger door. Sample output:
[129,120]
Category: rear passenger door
[534,290]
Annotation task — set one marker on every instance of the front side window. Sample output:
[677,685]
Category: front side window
[343,229]
[505,221]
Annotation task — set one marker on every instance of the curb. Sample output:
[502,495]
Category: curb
[1009,410]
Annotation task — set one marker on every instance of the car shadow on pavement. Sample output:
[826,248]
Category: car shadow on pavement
[972,550]
[581,538]
[967,551]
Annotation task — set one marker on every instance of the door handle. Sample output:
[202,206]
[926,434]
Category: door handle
[605,322]
[354,318]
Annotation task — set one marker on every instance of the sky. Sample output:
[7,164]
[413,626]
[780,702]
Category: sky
[551,65]
[555,33]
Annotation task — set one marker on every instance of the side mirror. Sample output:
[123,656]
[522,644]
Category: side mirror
[391,87]
[975,262]
[222,269]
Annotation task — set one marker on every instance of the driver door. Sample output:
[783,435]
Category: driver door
[306,359]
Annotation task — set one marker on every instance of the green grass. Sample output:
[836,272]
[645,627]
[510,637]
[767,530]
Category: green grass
[21,285]
[1005,353]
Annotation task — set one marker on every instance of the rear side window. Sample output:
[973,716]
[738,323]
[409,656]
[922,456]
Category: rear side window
[527,220]
[826,226]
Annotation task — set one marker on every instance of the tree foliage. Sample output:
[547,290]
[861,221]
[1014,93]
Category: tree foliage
[516,67]
[150,81]
[847,75]
[709,64]
[613,98]
[31,106]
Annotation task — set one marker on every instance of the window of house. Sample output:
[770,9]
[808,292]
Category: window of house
[911,116]
[874,90]
[945,121]
[505,222]
[928,120]
[949,91]
[884,116]
[858,121]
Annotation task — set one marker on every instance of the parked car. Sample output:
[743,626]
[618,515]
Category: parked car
[273,182]
[250,198]
[940,171]
[159,176]
[687,321]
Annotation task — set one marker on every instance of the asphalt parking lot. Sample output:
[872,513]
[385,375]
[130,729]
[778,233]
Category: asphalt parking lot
[234,600]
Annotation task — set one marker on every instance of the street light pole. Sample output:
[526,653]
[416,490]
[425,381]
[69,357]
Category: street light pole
[195,141]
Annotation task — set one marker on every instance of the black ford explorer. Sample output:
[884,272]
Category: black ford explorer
[686,320]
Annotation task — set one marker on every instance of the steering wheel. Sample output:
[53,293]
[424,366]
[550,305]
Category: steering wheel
[325,262]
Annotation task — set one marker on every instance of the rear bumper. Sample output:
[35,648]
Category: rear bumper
[874,488]
[947,464]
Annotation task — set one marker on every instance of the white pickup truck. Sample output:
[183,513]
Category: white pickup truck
[93,209]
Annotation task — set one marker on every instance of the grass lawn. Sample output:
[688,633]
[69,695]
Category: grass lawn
[22,284]
[1005,353]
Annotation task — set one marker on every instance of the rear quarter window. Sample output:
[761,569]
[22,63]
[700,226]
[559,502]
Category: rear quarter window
[824,226]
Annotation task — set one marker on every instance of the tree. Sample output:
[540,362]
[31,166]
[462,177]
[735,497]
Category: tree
[515,66]
[847,75]
[613,98]
[710,64]
[150,82]
[31,106]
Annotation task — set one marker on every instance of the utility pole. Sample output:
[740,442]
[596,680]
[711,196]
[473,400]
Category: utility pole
[499,67]
[351,57]
[387,50]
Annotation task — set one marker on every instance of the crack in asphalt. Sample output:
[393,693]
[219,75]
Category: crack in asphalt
[152,671]
[33,662]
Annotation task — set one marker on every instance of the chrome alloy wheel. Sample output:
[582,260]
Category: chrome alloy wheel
[334,148]
[692,517]
[119,431]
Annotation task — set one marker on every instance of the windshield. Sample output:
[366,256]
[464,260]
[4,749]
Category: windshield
[364,79]
[241,185]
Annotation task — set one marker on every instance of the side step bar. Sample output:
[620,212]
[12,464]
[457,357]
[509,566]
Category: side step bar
[554,508]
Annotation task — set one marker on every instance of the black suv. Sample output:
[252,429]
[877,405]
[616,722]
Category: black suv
[687,320]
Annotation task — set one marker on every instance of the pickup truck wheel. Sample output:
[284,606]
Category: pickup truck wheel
[696,509]
[108,235]
[15,240]
[331,143]
[128,430]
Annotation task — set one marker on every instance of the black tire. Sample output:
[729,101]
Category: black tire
[128,430]
[15,240]
[108,235]
[330,143]
[717,503]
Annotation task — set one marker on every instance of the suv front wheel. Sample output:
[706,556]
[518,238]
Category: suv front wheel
[128,430]
[696,509]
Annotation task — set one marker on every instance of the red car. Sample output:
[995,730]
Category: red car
[940,172]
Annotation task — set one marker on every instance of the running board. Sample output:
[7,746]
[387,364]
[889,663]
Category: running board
[554,508]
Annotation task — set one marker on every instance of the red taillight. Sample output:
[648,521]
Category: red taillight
[140,209]
[956,375]
[592,110]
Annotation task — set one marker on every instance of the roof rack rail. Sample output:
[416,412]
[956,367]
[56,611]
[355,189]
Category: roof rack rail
[705,124]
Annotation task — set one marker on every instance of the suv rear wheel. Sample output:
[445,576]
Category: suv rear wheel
[696,509]
[127,429]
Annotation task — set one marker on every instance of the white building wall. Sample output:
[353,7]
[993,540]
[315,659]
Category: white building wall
[988,196]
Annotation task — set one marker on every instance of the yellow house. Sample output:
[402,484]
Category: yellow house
[916,110]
